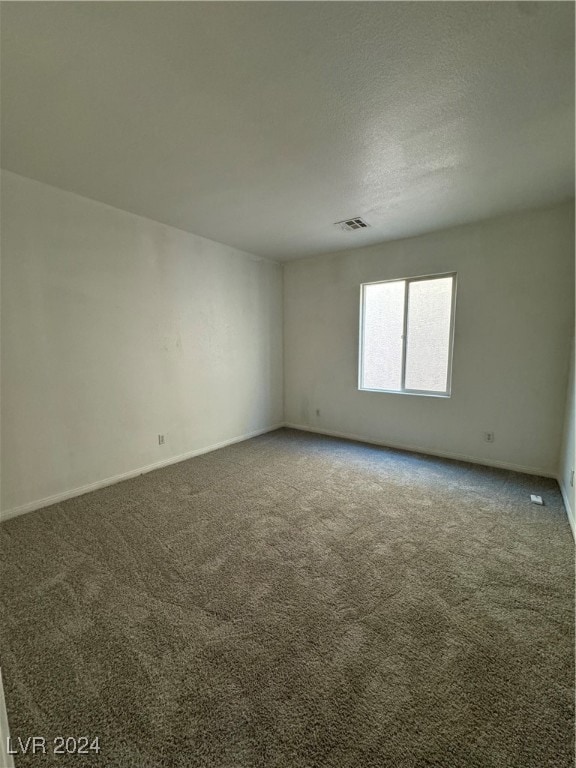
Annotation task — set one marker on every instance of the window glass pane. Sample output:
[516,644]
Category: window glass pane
[428,334]
[382,341]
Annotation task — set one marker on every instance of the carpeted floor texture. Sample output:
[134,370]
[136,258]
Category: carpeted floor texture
[295,601]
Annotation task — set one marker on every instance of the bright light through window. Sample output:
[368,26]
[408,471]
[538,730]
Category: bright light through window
[406,335]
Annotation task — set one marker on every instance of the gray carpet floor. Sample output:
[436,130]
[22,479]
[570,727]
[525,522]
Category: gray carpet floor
[296,601]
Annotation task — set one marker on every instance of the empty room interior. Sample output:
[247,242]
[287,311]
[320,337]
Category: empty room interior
[287,384]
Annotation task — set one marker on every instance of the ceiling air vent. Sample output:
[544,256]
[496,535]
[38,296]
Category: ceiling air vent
[351,224]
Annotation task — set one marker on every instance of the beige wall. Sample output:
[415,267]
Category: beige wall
[116,329]
[514,320]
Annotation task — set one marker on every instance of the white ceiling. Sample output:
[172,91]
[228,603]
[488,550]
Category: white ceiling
[262,124]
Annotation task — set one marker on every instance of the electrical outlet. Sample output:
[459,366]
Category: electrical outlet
[488,437]
[160,439]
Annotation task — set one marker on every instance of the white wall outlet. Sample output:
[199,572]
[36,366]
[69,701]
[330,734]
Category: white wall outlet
[536,499]
[488,437]
[160,439]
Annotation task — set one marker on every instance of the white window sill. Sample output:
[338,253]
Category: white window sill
[444,395]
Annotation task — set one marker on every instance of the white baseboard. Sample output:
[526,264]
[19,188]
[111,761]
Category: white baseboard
[569,510]
[58,497]
[6,760]
[426,451]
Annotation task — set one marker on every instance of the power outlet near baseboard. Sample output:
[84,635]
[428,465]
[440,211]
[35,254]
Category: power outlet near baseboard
[160,439]
[488,437]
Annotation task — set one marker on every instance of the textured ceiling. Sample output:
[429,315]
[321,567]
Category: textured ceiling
[262,124]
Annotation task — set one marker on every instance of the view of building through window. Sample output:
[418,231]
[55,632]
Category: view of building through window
[406,335]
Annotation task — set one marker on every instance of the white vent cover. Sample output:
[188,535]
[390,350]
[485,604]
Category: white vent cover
[349,225]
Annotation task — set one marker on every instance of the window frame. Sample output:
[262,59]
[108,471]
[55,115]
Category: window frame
[404,390]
